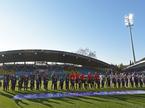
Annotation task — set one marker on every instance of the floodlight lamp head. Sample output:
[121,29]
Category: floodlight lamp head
[126,21]
[129,20]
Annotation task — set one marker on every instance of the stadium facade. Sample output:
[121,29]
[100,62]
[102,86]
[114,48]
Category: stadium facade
[50,61]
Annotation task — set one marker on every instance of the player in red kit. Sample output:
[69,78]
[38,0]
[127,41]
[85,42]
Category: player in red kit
[72,80]
[82,78]
[89,79]
[77,75]
[97,79]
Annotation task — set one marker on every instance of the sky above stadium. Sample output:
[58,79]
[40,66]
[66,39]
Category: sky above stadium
[72,24]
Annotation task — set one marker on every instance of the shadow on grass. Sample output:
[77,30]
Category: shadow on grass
[20,102]
[6,94]
[81,99]
[93,98]
[10,96]
[65,100]
[128,99]
[42,102]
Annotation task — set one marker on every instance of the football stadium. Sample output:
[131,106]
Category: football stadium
[72,54]
[50,78]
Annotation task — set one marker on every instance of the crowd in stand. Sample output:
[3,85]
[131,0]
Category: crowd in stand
[73,81]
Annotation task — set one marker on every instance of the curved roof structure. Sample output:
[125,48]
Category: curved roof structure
[138,66]
[49,56]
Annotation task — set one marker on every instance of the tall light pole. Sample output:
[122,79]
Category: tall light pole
[129,23]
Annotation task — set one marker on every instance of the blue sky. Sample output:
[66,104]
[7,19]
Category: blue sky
[72,24]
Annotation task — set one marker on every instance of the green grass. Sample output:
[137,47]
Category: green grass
[118,101]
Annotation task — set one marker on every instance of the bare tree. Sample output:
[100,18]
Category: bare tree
[86,52]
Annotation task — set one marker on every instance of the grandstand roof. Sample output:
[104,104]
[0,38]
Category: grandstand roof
[138,66]
[49,56]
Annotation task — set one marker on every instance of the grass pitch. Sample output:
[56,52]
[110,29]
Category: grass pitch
[116,101]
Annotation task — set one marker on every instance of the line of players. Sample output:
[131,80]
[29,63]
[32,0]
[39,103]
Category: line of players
[73,81]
